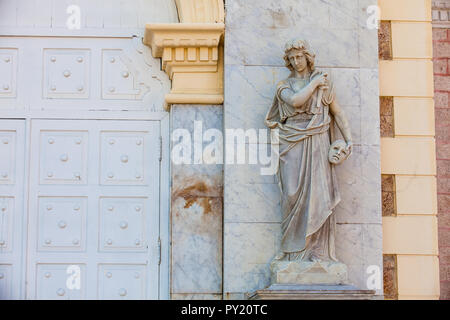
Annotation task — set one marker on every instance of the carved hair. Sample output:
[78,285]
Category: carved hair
[303,46]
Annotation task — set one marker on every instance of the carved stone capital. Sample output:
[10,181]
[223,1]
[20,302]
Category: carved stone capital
[185,47]
[191,56]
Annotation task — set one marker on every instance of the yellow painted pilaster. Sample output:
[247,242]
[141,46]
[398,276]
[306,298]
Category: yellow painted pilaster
[410,154]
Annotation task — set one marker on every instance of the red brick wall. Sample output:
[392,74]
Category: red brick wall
[441,54]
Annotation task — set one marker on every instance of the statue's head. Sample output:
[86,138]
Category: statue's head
[338,152]
[298,55]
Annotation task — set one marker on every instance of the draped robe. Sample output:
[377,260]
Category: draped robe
[308,184]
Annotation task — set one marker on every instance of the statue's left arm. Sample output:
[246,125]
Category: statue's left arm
[342,123]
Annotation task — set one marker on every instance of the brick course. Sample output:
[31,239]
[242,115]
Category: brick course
[443,168]
[440,66]
[441,99]
[441,61]
[443,185]
[385,41]
[386,117]
[390,277]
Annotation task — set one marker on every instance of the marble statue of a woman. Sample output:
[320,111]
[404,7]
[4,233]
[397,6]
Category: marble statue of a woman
[303,109]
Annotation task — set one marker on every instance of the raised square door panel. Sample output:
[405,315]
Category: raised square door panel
[8,156]
[123,158]
[123,224]
[66,73]
[62,223]
[6,282]
[6,223]
[8,72]
[63,157]
[122,282]
[120,76]
[61,281]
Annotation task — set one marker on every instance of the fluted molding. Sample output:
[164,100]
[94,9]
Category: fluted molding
[201,11]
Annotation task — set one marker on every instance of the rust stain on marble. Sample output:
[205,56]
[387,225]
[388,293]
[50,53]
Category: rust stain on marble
[196,191]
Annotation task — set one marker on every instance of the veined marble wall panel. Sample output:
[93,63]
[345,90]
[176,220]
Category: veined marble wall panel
[197,195]
[256,32]
[341,23]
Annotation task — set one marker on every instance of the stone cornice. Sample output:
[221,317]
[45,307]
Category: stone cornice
[185,47]
[191,56]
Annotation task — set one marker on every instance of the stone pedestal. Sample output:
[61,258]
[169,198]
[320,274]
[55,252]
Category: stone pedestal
[312,292]
[308,273]
[307,280]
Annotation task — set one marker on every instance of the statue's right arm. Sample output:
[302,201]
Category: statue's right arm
[298,99]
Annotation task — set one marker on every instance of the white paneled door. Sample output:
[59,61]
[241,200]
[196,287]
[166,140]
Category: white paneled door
[84,190]
[89,225]
[93,210]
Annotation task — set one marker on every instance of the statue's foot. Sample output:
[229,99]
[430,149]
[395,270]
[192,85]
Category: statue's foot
[280,256]
[315,258]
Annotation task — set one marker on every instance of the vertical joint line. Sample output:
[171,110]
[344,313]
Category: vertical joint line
[160,148]
[159,251]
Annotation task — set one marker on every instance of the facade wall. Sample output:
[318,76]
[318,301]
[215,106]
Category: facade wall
[407,155]
[225,219]
[256,32]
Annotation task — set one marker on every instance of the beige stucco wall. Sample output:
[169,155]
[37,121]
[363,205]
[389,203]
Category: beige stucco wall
[410,154]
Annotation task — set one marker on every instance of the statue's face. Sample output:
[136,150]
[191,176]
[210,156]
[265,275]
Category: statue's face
[298,60]
[338,152]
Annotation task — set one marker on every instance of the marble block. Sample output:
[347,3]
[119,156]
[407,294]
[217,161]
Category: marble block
[253,64]
[312,292]
[308,272]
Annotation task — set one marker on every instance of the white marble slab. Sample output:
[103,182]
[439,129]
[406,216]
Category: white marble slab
[264,46]
[370,107]
[196,211]
[248,250]
[256,32]
[252,203]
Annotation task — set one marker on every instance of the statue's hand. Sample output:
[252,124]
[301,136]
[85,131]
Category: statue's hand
[321,81]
